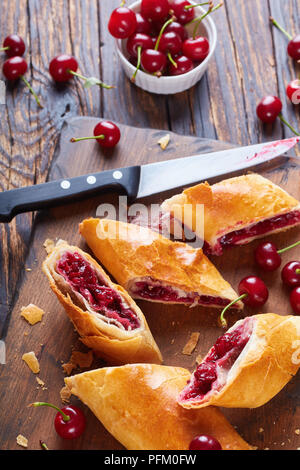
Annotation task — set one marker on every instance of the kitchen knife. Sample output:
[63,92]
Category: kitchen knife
[140,181]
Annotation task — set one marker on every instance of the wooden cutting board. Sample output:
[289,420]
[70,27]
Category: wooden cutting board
[271,426]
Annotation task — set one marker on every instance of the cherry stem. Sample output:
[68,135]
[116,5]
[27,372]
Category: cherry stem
[188,7]
[4,48]
[162,32]
[138,65]
[282,119]
[274,22]
[199,20]
[297,271]
[32,91]
[78,139]
[172,60]
[222,319]
[42,403]
[43,445]
[100,83]
[288,247]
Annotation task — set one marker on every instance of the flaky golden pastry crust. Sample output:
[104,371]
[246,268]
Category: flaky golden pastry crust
[268,362]
[230,205]
[107,340]
[137,405]
[132,253]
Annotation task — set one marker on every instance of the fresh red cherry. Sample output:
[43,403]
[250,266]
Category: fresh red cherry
[69,421]
[295,300]
[254,290]
[184,15]
[106,133]
[290,274]
[122,23]
[13,45]
[293,91]
[61,66]
[267,256]
[183,65]
[196,49]
[138,40]
[294,48]
[153,61]
[178,29]
[155,10]
[170,42]
[16,67]
[135,45]
[74,427]
[142,24]
[205,443]
[269,108]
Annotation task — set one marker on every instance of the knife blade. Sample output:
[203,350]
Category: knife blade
[140,181]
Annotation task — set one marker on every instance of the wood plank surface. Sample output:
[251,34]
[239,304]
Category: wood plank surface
[54,339]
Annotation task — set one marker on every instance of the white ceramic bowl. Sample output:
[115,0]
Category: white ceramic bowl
[170,85]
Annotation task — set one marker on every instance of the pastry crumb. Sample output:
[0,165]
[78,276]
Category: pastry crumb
[49,245]
[68,367]
[78,359]
[32,314]
[32,362]
[65,394]
[164,141]
[22,441]
[40,381]
[297,431]
[261,430]
[191,344]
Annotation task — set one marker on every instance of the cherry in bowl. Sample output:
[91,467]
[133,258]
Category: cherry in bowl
[122,23]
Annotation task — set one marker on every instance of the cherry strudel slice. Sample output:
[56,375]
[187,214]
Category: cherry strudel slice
[247,366]
[151,267]
[103,313]
[236,211]
[137,404]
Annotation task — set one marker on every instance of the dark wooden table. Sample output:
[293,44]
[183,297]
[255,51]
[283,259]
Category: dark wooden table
[250,61]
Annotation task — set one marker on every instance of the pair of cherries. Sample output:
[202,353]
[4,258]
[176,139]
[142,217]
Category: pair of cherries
[267,256]
[253,290]
[293,50]
[70,423]
[156,36]
[62,68]
[270,107]
[16,66]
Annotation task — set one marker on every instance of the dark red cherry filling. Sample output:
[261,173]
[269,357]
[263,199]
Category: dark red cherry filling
[150,289]
[218,362]
[265,226]
[84,279]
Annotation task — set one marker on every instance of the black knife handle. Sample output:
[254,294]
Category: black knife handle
[54,193]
